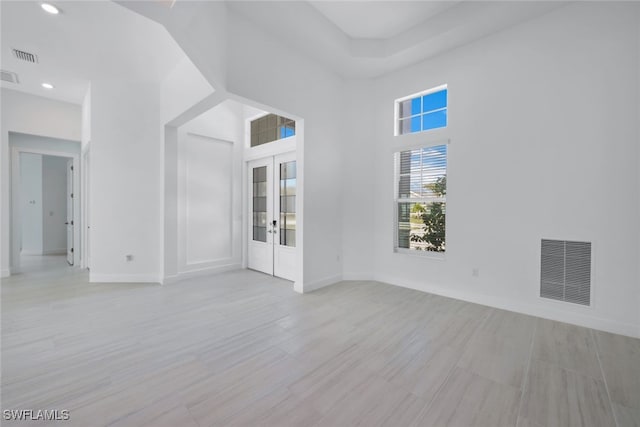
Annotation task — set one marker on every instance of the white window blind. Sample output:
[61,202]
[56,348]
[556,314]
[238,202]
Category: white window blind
[421,188]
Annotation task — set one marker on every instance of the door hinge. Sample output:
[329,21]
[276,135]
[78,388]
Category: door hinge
[72,195]
[71,222]
[71,250]
[71,167]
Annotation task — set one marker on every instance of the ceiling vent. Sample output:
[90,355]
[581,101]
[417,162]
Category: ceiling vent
[565,273]
[25,56]
[9,76]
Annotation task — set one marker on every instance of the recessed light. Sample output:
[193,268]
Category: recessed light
[48,7]
[47,85]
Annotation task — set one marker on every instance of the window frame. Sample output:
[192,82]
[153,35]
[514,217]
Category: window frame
[396,113]
[397,200]
[288,125]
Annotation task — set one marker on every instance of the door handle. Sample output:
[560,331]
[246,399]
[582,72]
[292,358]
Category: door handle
[66,223]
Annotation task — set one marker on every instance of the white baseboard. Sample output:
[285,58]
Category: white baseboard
[574,318]
[317,284]
[358,276]
[61,251]
[5,272]
[297,286]
[170,279]
[27,252]
[201,272]
[124,278]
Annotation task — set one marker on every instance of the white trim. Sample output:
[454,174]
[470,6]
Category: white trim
[5,272]
[422,93]
[59,251]
[27,252]
[84,214]
[420,143]
[358,277]
[436,256]
[396,111]
[550,312]
[184,263]
[124,278]
[318,284]
[201,273]
[270,149]
[206,265]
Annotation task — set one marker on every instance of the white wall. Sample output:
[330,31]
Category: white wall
[54,205]
[183,87]
[31,203]
[209,190]
[85,129]
[85,166]
[33,115]
[126,181]
[543,122]
[359,181]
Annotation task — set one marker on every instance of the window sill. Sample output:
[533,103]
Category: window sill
[437,256]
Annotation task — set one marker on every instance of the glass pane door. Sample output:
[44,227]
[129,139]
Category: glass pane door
[288,204]
[260,204]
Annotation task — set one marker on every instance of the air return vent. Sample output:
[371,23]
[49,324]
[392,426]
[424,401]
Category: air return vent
[25,56]
[9,76]
[565,273]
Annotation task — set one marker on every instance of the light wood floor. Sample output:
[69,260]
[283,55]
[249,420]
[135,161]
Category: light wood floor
[242,348]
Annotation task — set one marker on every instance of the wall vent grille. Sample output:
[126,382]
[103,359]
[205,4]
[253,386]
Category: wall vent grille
[25,56]
[565,271]
[9,76]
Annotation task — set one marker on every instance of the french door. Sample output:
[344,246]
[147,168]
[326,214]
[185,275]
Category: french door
[272,215]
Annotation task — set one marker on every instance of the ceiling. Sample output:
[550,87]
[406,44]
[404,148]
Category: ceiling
[379,19]
[369,38]
[357,39]
[88,40]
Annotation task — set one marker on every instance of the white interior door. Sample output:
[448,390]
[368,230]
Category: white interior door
[69,221]
[272,215]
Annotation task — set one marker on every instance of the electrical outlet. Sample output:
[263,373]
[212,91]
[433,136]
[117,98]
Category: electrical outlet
[129,257]
[475,272]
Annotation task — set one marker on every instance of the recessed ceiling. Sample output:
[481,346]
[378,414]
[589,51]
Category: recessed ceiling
[372,38]
[379,19]
[88,40]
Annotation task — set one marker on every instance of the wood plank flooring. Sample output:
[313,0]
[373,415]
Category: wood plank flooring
[243,349]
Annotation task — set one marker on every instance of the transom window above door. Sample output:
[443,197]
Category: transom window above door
[271,128]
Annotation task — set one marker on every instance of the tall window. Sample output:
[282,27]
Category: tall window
[421,199]
[270,128]
[423,111]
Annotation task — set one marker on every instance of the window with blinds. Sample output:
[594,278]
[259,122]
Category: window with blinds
[421,199]
[422,111]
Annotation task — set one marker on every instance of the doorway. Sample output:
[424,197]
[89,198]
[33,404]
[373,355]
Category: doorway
[272,215]
[44,205]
